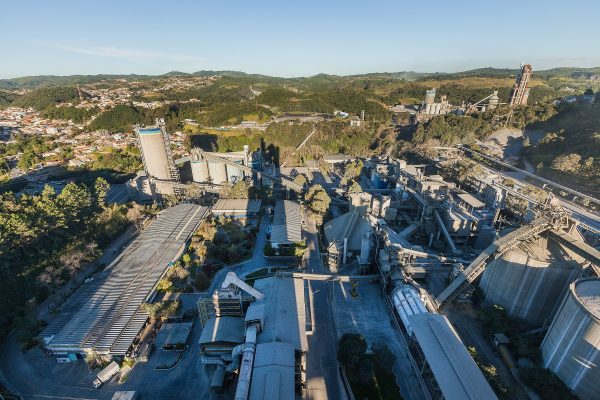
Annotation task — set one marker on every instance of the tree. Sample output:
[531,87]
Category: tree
[101,188]
[355,188]
[567,163]
[75,201]
[318,200]
[383,356]
[202,281]
[301,180]
[352,171]
[239,190]
[352,349]
[186,259]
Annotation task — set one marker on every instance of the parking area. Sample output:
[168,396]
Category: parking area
[37,375]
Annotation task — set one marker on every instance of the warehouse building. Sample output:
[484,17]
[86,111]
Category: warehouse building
[104,315]
[286,228]
[237,208]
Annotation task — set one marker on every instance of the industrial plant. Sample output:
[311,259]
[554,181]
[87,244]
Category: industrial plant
[409,257]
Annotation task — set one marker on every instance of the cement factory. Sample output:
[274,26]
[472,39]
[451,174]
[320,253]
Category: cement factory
[428,246]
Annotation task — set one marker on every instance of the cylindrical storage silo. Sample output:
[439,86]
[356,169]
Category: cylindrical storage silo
[365,249]
[428,108]
[530,279]
[437,108]
[571,348]
[199,171]
[154,152]
[217,171]
[234,174]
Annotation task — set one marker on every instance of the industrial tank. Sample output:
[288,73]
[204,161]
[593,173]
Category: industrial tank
[571,348]
[530,279]
[234,174]
[217,171]
[199,171]
[154,152]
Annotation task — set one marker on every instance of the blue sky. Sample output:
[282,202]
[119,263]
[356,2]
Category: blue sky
[294,38]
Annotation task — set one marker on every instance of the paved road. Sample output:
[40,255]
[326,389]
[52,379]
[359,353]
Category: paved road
[322,368]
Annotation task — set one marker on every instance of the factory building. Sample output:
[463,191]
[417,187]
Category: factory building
[286,228]
[264,341]
[571,348]
[236,208]
[530,279]
[520,91]
[210,167]
[105,315]
[219,337]
[430,108]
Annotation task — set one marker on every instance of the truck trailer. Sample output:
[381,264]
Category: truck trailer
[105,375]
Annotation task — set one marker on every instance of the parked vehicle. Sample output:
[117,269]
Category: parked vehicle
[107,373]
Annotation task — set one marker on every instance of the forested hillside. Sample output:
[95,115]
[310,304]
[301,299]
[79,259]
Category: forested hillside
[45,239]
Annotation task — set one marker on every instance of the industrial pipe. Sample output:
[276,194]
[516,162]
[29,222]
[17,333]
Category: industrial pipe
[243,386]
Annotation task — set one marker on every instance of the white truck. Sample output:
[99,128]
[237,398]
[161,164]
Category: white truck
[105,375]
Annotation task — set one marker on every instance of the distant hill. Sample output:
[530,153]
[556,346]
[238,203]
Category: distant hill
[31,82]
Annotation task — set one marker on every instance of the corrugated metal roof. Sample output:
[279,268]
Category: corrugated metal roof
[237,205]
[223,329]
[284,311]
[105,314]
[273,372]
[471,200]
[287,222]
[455,372]
[351,226]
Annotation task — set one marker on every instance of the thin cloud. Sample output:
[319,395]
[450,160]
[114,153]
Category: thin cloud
[115,52]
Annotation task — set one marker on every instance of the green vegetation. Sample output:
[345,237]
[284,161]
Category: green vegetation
[162,309]
[126,160]
[45,239]
[120,118]
[570,148]
[77,115]
[317,201]
[370,376]
[43,98]
[491,375]
[32,148]
[224,240]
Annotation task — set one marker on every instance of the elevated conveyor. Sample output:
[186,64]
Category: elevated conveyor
[477,266]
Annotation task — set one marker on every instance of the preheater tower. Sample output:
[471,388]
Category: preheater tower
[156,154]
[571,348]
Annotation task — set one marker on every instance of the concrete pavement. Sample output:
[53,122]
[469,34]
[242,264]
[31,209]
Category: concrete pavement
[322,367]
